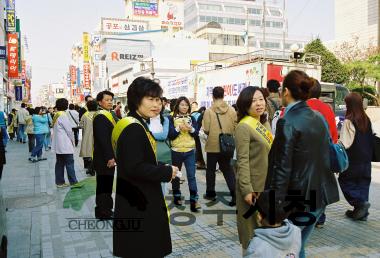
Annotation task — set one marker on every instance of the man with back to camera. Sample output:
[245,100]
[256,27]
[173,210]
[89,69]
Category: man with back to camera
[103,157]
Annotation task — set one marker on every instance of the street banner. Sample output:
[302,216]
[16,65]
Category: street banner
[102,69]
[68,80]
[119,26]
[11,21]
[78,77]
[86,76]
[86,47]
[73,75]
[18,90]
[183,86]
[12,55]
[3,52]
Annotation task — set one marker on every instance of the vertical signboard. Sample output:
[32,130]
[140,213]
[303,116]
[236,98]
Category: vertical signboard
[102,69]
[23,72]
[86,47]
[18,94]
[78,83]
[10,16]
[73,75]
[12,55]
[86,76]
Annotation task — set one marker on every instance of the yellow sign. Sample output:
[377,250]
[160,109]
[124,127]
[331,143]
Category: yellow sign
[86,47]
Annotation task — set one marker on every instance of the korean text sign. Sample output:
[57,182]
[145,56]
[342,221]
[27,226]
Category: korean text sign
[12,55]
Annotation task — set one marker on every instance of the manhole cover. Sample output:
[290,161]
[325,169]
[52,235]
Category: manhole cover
[28,201]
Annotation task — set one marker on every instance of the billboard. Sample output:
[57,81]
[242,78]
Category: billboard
[278,71]
[12,55]
[172,14]
[119,26]
[86,76]
[11,21]
[181,87]
[145,7]
[86,47]
[233,81]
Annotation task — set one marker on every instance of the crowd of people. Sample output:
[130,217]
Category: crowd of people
[274,144]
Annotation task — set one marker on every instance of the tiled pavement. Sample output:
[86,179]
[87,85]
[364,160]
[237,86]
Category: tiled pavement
[39,215]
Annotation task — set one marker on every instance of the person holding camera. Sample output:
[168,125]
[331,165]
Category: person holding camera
[41,128]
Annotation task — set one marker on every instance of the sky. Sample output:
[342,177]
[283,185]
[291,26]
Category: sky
[53,26]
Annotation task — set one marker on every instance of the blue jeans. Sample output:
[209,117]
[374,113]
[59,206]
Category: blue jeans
[189,159]
[4,135]
[21,136]
[307,230]
[37,150]
[47,140]
[65,160]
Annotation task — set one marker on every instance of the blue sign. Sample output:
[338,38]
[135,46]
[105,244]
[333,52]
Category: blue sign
[78,77]
[3,52]
[18,91]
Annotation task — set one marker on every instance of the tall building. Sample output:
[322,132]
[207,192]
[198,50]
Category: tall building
[237,26]
[357,19]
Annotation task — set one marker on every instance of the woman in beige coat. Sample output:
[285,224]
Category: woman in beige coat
[253,141]
[87,144]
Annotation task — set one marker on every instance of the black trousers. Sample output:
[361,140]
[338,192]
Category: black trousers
[225,167]
[31,142]
[76,136]
[104,184]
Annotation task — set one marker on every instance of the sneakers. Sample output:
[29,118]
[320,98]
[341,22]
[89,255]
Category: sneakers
[41,159]
[360,212]
[177,201]
[62,185]
[76,185]
[209,197]
[33,160]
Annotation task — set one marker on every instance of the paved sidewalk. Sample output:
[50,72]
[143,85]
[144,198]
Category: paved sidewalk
[39,217]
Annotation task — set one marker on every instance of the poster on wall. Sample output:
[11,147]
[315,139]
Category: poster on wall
[145,7]
[233,81]
[172,14]
[183,86]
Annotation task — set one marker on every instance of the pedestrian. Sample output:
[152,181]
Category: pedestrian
[41,128]
[159,127]
[165,103]
[328,114]
[103,157]
[194,110]
[12,118]
[3,126]
[47,141]
[219,118]
[21,115]
[273,100]
[30,130]
[118,110]
[63,146]
[74,120]
[282,239]
[182,130]
[253,142]
[139,176]
[200,159]
[86,123]
[83,109]
[357,138]
[2,156]
[299,161]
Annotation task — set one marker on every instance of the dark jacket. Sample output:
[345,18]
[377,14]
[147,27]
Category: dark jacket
[139,197]
[299,160]
[103,151]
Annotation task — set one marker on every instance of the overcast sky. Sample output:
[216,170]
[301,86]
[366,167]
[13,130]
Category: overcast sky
[53,26]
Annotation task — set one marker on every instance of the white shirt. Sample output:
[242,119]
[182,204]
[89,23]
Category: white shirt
[74,118]
[155,125]
[63,136]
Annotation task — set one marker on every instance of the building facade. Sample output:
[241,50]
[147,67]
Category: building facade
[357,19]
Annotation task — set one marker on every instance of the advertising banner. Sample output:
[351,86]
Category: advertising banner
[86,47]
[172,14]
[278,71]
[181,87]
[11,21]
[13,55]
[233,80]
[102,69]
[3,52]
[73,75]
[86,76]
[119,26]
[68,80]
[78,83]
[18,93]
[145,7]
[10,4]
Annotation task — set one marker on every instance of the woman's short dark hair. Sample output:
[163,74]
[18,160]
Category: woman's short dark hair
[273,85]
[37,110]
[244,102]
[179,100]
[218,92]
[142,87]
[92,105]
[201,110]
[315,91]
[71,106]
[173,102]
[299,84]
[101,94]
[31,111]
[62,104]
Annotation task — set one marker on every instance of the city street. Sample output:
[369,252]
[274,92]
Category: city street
[43,221]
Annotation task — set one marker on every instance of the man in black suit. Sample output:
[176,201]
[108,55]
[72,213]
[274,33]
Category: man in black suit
[104,158]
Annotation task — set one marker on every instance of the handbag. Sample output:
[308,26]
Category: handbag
[77,124]
[226,141]
[376,149]
[164,153]
[338,155]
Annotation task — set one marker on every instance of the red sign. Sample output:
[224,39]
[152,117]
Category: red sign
[275,73]
[23,71]
[73,75]
[86,75]
[12,55]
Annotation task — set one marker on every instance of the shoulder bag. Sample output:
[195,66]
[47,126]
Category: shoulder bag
[226,141]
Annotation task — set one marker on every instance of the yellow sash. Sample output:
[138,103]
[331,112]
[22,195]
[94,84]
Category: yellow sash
[259,129]
[89,115]
[57,115]
[107,114]
[119,128]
